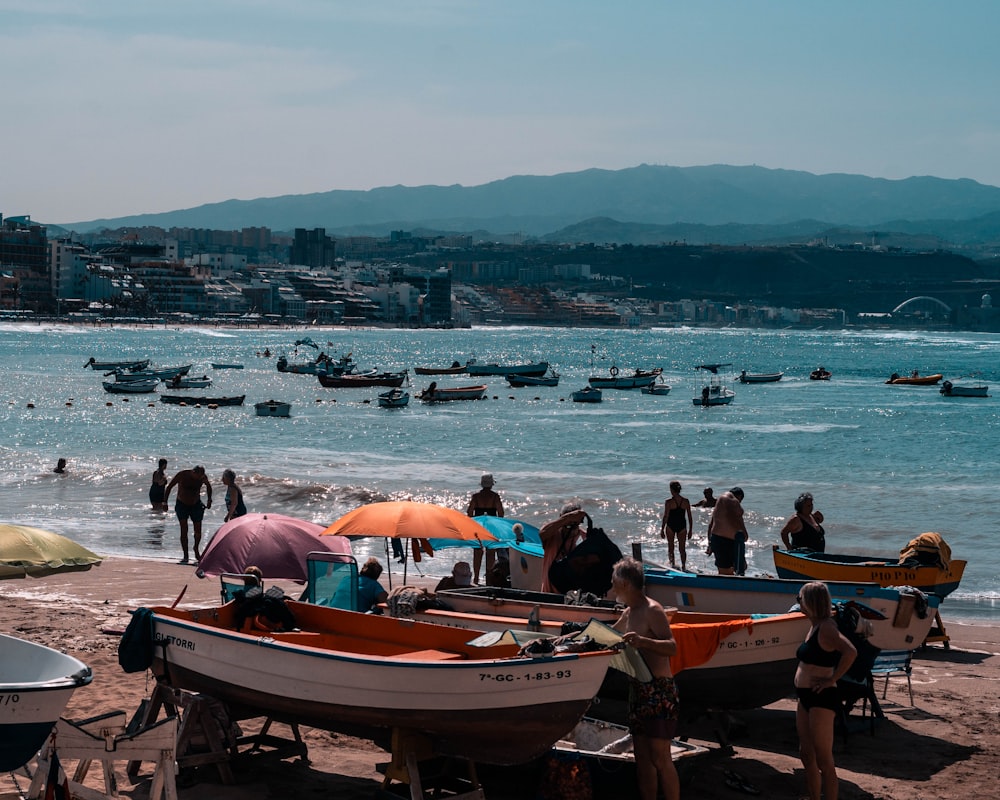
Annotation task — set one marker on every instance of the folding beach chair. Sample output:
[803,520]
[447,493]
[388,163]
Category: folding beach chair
[894,662]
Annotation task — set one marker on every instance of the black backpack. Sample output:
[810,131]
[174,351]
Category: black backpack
[135,650]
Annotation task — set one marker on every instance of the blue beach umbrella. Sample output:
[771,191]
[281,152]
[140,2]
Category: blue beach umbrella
[503,529]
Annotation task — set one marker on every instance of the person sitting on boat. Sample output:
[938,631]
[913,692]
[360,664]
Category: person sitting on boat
[460,578]
[370,591]
[485,502]
[804,529]
[652,706]
[726,531]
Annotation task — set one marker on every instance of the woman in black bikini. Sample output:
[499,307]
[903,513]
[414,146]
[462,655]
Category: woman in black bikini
[677,522]
[824,658]
[157,486]
[804,527]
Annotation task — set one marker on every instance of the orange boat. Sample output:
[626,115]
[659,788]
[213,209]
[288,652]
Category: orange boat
[915,379]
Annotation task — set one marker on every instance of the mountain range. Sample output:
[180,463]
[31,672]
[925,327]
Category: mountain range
[646,204]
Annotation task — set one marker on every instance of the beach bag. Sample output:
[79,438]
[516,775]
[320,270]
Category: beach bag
[854,623]
[135,650]
[588,566]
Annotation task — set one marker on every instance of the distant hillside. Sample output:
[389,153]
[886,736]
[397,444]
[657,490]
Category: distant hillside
[645,195]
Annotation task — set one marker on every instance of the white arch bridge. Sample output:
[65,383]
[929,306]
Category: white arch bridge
[923,306]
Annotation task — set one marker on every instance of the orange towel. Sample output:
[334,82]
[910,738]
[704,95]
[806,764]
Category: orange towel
[698,642]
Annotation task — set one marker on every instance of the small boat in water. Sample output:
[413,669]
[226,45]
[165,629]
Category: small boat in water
[36,683]
[394,398]
[616,380]
[760,377]
[106,366]
[455,369]
[181,382]
[438,394]
[187,400]
[534,369]
[520,381]
[715,394]
[368,675]
[657,388]
[364,380]
[162,374]
[950,389]
[273,408]
[820,374]
[226,366]
[811,566]
[588,394]
[145,386]
[914,379]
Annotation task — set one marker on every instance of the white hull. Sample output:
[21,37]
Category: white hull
[36,683]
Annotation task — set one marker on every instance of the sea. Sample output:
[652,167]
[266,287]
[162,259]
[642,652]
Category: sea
[883,462]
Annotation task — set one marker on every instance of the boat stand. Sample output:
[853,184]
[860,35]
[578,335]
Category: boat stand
[106,739]
[411,750]
[199,737]
[937,632]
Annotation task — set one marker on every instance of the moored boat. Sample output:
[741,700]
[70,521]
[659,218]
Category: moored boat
[520,381]
[616,380]
[367,674]
[760,377]
[656,389]
[950,389]
[914,379]
[813,566]
[588,394]
[394,398]
[162,374]
[532,368]
[145,386]
[455,369]
[189,400]
[714,394]
[360,381]
[439,394]
[226,366]
[36,683]
[272,408]
[180,382]
[113,365]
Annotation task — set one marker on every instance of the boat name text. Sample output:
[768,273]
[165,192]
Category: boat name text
[173,641]
[506,677]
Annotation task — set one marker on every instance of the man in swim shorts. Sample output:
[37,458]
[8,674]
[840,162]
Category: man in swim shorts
[726,531]
[189,506]
[652,712]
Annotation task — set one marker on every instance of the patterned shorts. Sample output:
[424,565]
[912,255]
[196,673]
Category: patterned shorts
[652,708]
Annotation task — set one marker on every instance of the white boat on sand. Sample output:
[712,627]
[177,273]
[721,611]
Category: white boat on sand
[36,683]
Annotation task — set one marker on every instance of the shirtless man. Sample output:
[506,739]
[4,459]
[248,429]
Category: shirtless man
[484,502]
[726,530]
[652,707]
[189,505]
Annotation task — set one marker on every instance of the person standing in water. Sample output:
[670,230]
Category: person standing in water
[158,485]
[677,523]
[189,505]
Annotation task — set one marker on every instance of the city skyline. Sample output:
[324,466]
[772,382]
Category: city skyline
[117,108]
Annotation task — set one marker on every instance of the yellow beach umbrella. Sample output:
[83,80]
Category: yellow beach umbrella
[25,550]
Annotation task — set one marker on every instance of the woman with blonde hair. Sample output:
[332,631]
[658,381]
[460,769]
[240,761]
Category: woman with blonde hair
[824,658]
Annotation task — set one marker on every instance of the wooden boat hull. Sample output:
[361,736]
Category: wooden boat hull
[521,381]
[752,666]
[36,683]
[637,380]
[394,399]
[190,383]
[769,377]
[587,395]
[107,366]
[533,369]
[188,400]
[920,380]
[348,381]
[367,674]
[902,629]
[131,387]
[273,408]
[460,369]
[867,569]
[952,390]
[454,393]
[227,366]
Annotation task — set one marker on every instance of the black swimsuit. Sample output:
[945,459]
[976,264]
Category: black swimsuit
[676,519]
[811,652]
[813,538]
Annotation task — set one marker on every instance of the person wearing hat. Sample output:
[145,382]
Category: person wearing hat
[485,502]
[460,578]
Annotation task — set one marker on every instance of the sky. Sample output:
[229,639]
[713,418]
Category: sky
[116,107]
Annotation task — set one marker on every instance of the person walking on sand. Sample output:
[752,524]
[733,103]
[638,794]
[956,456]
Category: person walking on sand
[158,485]
[235,507]
[484,502]
[653,706]
[726,530]
[677,522]
[189,505]
[824,658]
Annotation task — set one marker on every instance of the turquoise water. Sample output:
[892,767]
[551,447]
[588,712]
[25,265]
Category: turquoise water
[884,462]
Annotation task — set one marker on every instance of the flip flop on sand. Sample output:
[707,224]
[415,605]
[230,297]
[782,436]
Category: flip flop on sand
[736,781]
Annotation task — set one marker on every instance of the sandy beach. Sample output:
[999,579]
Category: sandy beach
[946,746]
